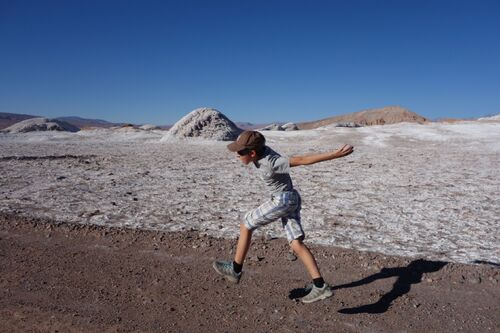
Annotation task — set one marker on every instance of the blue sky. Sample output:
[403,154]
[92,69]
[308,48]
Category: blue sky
[258,61]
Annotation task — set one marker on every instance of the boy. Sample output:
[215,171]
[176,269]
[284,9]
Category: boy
[284,204]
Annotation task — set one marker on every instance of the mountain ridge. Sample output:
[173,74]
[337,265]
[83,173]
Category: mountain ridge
[369,117]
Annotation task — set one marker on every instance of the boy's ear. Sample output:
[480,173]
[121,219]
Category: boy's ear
[253,153]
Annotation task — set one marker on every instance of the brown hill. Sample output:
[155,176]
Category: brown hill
[386,115]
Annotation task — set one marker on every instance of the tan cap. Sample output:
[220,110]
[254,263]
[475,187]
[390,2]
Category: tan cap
[248,140]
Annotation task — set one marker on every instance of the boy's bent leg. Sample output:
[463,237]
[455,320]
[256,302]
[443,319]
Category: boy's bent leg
[306,258]
[227,268]
[305,255]
[262,215]
[243,244]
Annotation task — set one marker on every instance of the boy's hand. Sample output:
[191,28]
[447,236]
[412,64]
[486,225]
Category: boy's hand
[345,150]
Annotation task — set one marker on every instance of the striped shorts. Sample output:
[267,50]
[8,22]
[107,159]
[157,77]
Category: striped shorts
[285,206]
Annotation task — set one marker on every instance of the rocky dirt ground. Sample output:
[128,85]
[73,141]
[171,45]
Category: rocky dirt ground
[60,277]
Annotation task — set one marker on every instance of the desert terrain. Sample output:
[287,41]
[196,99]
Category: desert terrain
[115,231]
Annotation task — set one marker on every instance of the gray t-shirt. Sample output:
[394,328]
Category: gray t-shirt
[274,170]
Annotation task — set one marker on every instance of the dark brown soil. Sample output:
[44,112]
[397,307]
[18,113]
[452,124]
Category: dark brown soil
[59,277]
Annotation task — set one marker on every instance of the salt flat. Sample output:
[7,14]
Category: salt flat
[428,191]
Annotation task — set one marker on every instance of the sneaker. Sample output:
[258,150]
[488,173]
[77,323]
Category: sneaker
[317,294]
[225,268]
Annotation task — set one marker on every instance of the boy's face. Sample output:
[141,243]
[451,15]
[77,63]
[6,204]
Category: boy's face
[247,156]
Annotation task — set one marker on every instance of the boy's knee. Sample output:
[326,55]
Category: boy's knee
[244,228]
[296,244]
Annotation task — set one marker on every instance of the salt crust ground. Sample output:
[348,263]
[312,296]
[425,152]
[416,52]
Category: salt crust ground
[428,191]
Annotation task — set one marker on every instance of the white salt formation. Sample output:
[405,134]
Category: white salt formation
[492,118]
[290,127]
[205,123]
[40,124]
[349,124]
[272,127]
[149,127]
[413,190]
[278,127]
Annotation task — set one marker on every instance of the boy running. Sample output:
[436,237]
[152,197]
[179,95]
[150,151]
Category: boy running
[284,204]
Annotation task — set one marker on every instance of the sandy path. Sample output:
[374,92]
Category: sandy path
[76,278]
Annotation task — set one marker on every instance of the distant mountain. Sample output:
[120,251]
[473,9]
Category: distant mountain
[386,115]
[8,119]
[83,122]
[381,116]
[448,120]
[246,125]
[251,126]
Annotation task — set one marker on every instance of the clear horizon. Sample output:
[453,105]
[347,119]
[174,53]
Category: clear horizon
[258,62]
[235,121]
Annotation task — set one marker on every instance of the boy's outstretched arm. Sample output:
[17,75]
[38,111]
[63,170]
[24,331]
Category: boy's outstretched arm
[315,158]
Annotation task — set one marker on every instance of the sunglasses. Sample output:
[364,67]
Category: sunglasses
[244,152]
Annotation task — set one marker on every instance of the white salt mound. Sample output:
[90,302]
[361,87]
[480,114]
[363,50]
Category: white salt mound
[492,118]
[205,123]
[290,127]
[40,124]
[278,127]
[272,127]
[149,127]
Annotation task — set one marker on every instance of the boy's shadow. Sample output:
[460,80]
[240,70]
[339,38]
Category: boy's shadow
[411,274]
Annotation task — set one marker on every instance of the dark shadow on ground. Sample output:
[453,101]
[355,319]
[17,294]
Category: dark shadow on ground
[486,262]
[297,293]
[411,274]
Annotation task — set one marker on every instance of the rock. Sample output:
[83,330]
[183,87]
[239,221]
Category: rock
[291,256]
[204,123]
[475,280]
[256,258]
[348,124]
